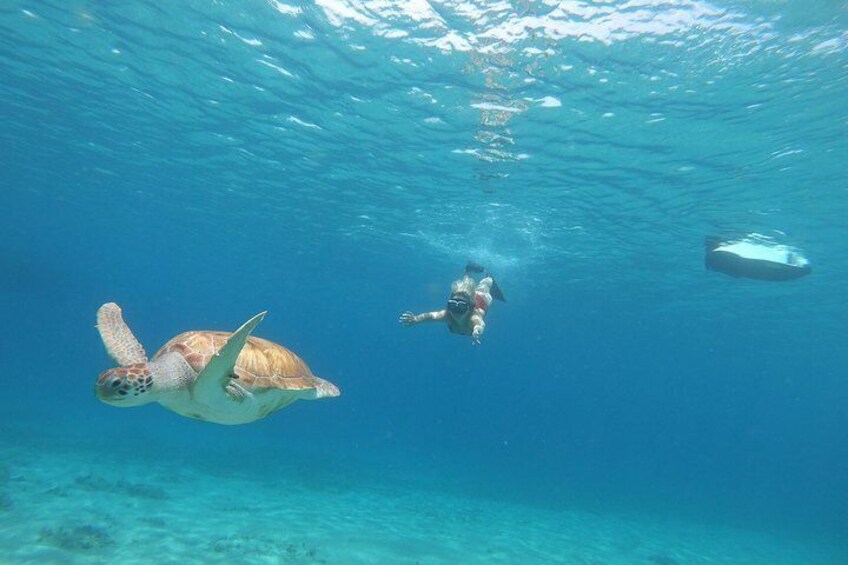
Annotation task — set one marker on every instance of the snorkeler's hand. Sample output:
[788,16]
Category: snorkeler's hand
[407,318]
[476,334]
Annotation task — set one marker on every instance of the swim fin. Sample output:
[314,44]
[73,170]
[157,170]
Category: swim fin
[472,267]
[496,291]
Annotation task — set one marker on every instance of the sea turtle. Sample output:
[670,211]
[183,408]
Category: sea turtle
[221,377]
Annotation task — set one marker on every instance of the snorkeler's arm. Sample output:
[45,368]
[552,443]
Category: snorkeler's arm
[410,319]
[478,325]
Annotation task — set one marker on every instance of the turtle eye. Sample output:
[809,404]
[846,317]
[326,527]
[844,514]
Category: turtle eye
[116,382]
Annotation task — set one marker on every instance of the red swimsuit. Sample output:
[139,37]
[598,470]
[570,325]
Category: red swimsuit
[480,301]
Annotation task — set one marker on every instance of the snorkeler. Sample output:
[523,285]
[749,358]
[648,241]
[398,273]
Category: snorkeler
[467,305]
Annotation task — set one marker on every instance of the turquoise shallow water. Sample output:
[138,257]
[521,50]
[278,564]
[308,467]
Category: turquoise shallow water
[336,163]
[87,507]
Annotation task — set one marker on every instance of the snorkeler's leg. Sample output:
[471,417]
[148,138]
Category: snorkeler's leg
[492,288]
[483,292]
[485,285]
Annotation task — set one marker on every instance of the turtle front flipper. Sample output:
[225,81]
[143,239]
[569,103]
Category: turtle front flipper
[212,381]
[119,340]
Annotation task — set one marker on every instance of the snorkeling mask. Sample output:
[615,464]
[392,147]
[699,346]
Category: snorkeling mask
[458,305]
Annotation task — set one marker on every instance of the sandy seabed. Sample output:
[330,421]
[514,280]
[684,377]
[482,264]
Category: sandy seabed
[83,506]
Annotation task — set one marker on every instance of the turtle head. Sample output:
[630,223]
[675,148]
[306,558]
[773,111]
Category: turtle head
[126,386]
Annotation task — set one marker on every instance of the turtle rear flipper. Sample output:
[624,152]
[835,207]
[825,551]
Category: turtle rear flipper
[213,379]
[119,340]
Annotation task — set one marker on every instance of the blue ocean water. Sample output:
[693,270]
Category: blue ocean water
[336,163]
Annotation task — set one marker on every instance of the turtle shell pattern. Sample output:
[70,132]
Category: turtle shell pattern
[262,364]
